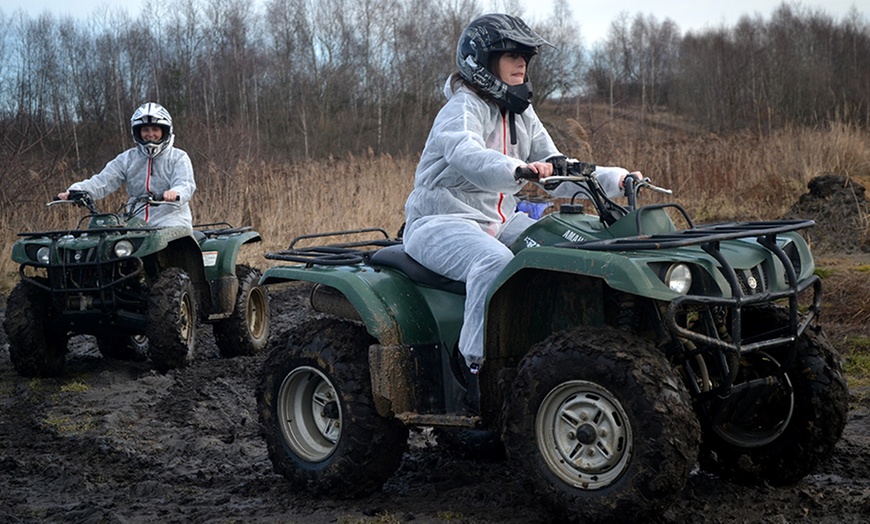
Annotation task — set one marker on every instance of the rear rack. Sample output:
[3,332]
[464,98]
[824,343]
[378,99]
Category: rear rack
[336,254]
[210,230]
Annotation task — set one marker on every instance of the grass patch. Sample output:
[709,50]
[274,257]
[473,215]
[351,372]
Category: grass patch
[70,426]
[857,361]
[384,518]
[74,387]
[823,272]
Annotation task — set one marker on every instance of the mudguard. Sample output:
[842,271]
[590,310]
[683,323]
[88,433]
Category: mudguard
[394,309]
[220,253]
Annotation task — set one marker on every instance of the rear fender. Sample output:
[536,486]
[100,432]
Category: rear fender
[220,253]
[219,258]
[393,308]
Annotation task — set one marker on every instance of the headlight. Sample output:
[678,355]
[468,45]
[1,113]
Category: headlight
[124,248]
[42,254]
[679,278]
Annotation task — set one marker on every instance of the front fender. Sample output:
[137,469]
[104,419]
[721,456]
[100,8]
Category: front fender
[393,309]
[629,274]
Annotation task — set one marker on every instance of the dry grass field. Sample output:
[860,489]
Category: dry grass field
[714,177]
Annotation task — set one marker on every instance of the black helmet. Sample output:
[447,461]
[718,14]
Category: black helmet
[497,33]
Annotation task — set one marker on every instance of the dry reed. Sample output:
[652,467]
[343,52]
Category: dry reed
[715,178]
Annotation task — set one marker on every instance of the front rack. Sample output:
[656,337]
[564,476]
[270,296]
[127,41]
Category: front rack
[697,235]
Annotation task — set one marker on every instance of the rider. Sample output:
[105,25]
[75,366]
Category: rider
[461,216]
[152,167]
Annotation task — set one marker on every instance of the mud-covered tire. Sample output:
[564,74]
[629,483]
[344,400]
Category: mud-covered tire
[318,417]
[760,448]
[171,320]
[124,347]
[601,426]
[34,348]
[246,331]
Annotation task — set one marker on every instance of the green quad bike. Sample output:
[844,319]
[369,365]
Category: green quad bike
[139,290]
[620,351]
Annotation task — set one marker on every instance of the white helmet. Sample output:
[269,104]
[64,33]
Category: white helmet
[152,114]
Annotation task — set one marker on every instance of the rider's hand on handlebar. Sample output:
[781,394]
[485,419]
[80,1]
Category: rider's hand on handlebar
[542,169]
[637,175]
[170,195]
[63,196]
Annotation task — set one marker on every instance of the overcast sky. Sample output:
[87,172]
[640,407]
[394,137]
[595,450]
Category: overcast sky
[594,16]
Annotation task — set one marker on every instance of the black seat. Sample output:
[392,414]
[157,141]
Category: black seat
[396,258]
[199,236]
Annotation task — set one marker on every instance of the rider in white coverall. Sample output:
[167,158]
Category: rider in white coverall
[153,166]
[461,216]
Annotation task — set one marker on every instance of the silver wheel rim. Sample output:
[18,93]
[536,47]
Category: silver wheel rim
[584,434]
[309,414]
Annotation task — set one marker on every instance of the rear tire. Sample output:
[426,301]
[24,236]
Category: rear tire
[601,424]
[171,320]
[318,416]
[246,331]
[35,349]
[124,347]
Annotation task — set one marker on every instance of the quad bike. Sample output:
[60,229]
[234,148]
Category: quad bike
[139,290]
[620,351]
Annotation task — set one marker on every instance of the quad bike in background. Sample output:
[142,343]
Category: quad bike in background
[138,289]
[620,351]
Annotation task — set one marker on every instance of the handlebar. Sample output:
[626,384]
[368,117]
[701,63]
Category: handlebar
[582,174]
[562,167]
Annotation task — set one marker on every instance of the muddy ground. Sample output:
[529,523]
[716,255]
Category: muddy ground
[115,441]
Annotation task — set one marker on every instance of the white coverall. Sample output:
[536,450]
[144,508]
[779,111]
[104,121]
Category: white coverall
[460,217]
[170,169]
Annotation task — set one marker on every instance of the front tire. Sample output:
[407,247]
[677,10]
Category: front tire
[246,331]
[171,320]
[601,424]
[794,425]
[318,417]
[35,349]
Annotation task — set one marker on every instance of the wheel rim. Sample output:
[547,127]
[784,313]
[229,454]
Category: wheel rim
[139,342]
[186,318]
[584,434]
[309,414]
[255,313]
[774,408]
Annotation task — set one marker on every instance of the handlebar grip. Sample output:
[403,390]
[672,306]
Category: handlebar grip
[525,173]
[159,198]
